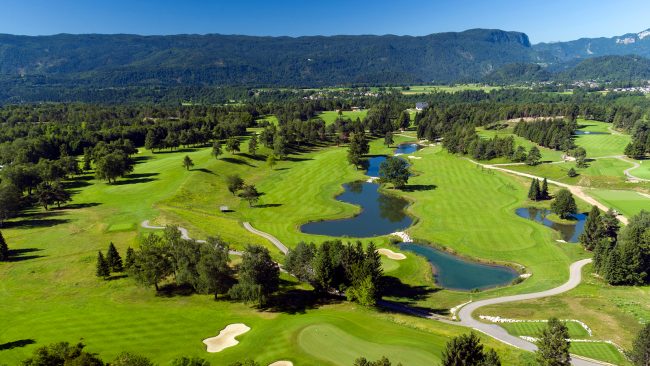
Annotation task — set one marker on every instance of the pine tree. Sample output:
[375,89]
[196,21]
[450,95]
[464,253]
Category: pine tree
[593,230]
[103,270]
[553,345]
[4,248]
[130,258]
[640,353]
[114,259]
[534,191]
[544,191]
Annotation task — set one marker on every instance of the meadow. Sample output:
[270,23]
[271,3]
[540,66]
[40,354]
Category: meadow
[330,116]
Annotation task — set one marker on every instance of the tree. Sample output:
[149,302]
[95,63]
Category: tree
[404,120]
[250,194]
[259,276]
[232,145]
[152,262]
[59,194]
[214,273]
[466,349]
[103,269]
[271,161]
[114,259]
[45,194]
[252,145]
[10,201]
[534,156]
[112,166]
[581,157]
[564,204]
[640,353]
[298,261]
[519,155]
[62,353]
[130,258]
[553,345]
[571,173]
[234,183]
[362,361]
[534,192]
[216,149]
[4,248]
[388,139]
[187,162]
[364,292]
[544,193]
[130,359]
[593,230]
[280,147]
[395,171]
[358,147]
[491,358]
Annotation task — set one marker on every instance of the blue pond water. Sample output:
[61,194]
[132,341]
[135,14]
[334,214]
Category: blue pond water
[375,161]
[569,232]
[581,132]
[456,273]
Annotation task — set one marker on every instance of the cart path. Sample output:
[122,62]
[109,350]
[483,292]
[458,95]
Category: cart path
[184,234]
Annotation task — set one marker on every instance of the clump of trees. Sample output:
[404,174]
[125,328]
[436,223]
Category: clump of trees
[467,349]
[357,149]
[640,352]
[640,144]
[112,262]
[621,258]
[259,276]
[564,205]
[334,267]
[553,345]
[394,171]
[537,191]
[384,361]
[552,133]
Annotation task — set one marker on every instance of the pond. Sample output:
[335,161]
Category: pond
[453,272]
[375,161]
[581,132]
[381,214]
[568,232]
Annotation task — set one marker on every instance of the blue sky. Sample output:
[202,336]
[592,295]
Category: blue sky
[543,21]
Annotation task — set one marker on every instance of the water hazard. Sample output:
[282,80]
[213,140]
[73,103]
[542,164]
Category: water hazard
[568,232]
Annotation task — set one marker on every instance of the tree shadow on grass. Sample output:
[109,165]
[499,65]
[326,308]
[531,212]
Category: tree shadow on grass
[394,287]
[116,277]
[35,220]
[76,184]
[136,178]
[204,170]
[19,255]
[237,161]
[16,344]
[253,157]
[297,301]
[81,205]
[418,187]
[267,205]
[173,290]
[141,159]
[295,159]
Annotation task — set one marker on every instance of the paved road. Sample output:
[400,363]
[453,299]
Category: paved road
[184,234]
[575,190]
[497,332]
[267,236]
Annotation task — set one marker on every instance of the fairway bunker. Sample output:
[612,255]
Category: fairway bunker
[226,337]
[391,255]
[282,363]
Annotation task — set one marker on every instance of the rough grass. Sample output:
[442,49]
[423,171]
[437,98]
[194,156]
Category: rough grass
[534,329]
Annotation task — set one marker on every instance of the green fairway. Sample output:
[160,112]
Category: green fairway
[330,116]
[534,329]
[643,171]
[629,203]
[608,144]
[599,351]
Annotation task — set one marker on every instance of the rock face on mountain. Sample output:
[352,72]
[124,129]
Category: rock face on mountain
[627,44]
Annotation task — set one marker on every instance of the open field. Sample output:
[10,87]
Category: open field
[629,203]
[330,116]
[421,89]
[547,154]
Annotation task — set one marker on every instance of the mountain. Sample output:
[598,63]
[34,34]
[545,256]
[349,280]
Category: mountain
[627,44]
[610,68]
[127,60]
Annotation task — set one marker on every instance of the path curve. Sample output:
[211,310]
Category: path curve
[627,173]
[497,332]
[575,190]
[267,236]
[184,234]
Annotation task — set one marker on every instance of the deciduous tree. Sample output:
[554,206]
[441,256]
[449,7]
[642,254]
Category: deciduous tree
[564,205]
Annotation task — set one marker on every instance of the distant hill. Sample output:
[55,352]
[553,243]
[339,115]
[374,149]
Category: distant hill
[119,60]
[610,68]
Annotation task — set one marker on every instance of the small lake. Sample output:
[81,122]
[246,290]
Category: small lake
[453,272]
[381,214]
[581,132]
[375,161]
[569,232]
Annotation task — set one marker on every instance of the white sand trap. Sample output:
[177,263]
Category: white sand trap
[226,337]
[414,157]
[282,363]
[402,235]
[391,255]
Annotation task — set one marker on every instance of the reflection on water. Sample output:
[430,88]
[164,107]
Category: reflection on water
[569,232]
[581,132]
[453,272]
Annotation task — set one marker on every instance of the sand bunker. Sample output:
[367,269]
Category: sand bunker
[282,363]
[391,255]
[226,337]
[414,157]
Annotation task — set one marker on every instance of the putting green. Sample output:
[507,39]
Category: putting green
[329,343]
